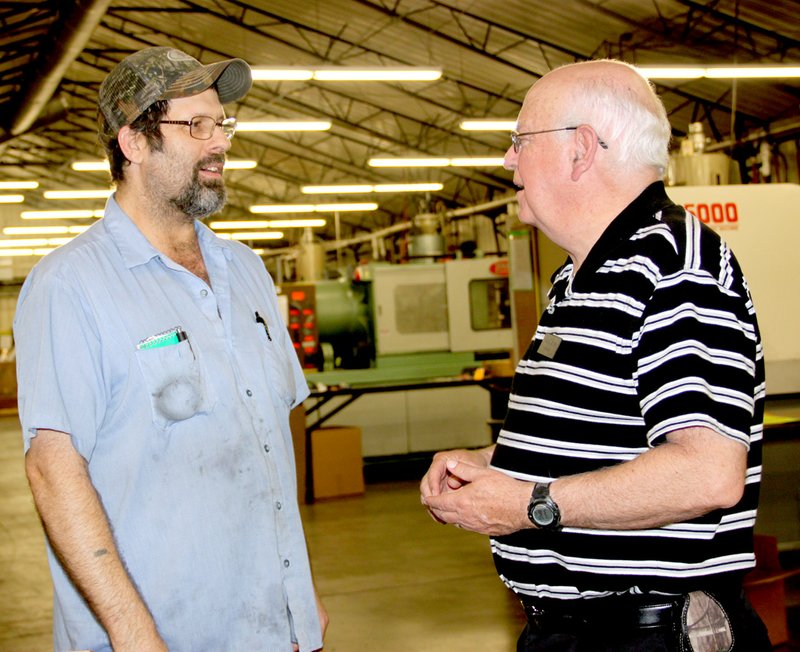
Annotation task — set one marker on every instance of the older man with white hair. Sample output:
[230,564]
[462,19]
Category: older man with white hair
[622,492]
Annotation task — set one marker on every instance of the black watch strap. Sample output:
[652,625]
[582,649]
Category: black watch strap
[542,509]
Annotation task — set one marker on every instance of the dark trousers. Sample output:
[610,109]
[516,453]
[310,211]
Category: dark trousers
[610,625]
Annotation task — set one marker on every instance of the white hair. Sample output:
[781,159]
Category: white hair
[632,121]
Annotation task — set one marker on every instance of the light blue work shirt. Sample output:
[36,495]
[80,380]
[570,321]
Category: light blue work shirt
[188,444]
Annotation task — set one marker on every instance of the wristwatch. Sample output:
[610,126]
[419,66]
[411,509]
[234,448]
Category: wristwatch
[542,509]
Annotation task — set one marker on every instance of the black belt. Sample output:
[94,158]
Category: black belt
[629,612]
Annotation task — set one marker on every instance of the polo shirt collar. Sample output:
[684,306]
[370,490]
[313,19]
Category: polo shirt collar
[652,200]
[135,249]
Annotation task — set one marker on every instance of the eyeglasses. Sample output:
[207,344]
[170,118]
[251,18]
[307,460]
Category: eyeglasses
[516,137]
[201,127]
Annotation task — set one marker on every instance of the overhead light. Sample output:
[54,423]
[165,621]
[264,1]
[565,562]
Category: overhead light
[26,252]
[281,74]
[52,215]
[77,194]
[34,242]
[284,125]
[240,164]
[342,73]
[363,188]
[103,166]
[477,161]
[377,74]
[267,224]
[430,162]
[90,166]
[312,208]
[43,230]
[465,161]
[12,199]
[18,185]
[719,72]
[488,125]
[256,235]
[251,235]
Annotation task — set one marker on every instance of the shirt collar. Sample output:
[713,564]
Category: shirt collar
[652,200]
[136,249]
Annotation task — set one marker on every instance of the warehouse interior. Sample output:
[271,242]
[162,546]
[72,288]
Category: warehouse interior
[382,210]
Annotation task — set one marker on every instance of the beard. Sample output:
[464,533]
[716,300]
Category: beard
[199,199]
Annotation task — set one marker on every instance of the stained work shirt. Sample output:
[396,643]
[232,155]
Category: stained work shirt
[188,445]
[656,332]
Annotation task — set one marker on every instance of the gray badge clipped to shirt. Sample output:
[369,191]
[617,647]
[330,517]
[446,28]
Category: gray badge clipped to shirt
[549,345]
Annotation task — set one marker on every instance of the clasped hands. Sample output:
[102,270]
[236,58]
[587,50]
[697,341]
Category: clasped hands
[460,489]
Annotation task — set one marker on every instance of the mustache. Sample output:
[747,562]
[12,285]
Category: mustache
[214,159]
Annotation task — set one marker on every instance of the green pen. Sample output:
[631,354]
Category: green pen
[167,338]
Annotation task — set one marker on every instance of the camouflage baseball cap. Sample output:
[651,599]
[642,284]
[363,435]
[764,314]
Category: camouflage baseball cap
[164,73]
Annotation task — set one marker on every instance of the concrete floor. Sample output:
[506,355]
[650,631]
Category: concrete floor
[391,578]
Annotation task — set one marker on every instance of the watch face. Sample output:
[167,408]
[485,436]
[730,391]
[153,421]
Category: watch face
[542,514]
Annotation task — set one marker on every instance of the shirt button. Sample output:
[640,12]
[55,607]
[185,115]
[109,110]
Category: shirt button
[249,392]
[278,505]
[203,293]
[266,447]
[286,563]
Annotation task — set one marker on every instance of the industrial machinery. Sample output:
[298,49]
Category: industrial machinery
[455,306]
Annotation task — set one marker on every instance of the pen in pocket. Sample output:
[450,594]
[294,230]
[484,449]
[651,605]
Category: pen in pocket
[260,320]
[165,338]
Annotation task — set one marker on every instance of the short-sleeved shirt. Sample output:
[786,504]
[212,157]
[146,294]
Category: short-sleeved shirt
[656,332]
[188,444]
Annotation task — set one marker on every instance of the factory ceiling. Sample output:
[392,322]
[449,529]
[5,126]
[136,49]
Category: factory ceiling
[55,53]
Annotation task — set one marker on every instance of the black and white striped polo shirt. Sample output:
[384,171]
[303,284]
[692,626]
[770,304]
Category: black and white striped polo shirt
[656,332]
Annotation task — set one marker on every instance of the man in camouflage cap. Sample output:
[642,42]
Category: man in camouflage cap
[155,384]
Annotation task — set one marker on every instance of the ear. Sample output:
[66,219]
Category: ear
[132,143]
[586,145]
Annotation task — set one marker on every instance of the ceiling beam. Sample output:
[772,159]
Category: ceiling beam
[67,37]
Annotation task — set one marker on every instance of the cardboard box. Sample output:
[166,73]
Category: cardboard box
[8,379]
[336,461]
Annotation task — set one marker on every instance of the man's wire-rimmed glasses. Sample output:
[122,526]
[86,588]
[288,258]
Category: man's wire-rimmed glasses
[516,137]
[201,127]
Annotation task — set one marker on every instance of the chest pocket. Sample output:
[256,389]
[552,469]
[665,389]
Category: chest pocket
[175,379]
[277,367]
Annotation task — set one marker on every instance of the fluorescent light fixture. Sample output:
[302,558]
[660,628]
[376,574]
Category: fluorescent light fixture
[284,125]
[43,230]
[34,242]
[312,208]
[377,74]
[256,235]
[488,125]
[465,161]
[240,164]
[267,224]
[671,72]
[343,73]
[26,252]
[90,166]
[12,199]
[430,162]
[52,215]
[77,194]
[752,72]
[477,161]
[19,185]
[719,72]
[265,73]
[381,187]
[282,208]
[332,208]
